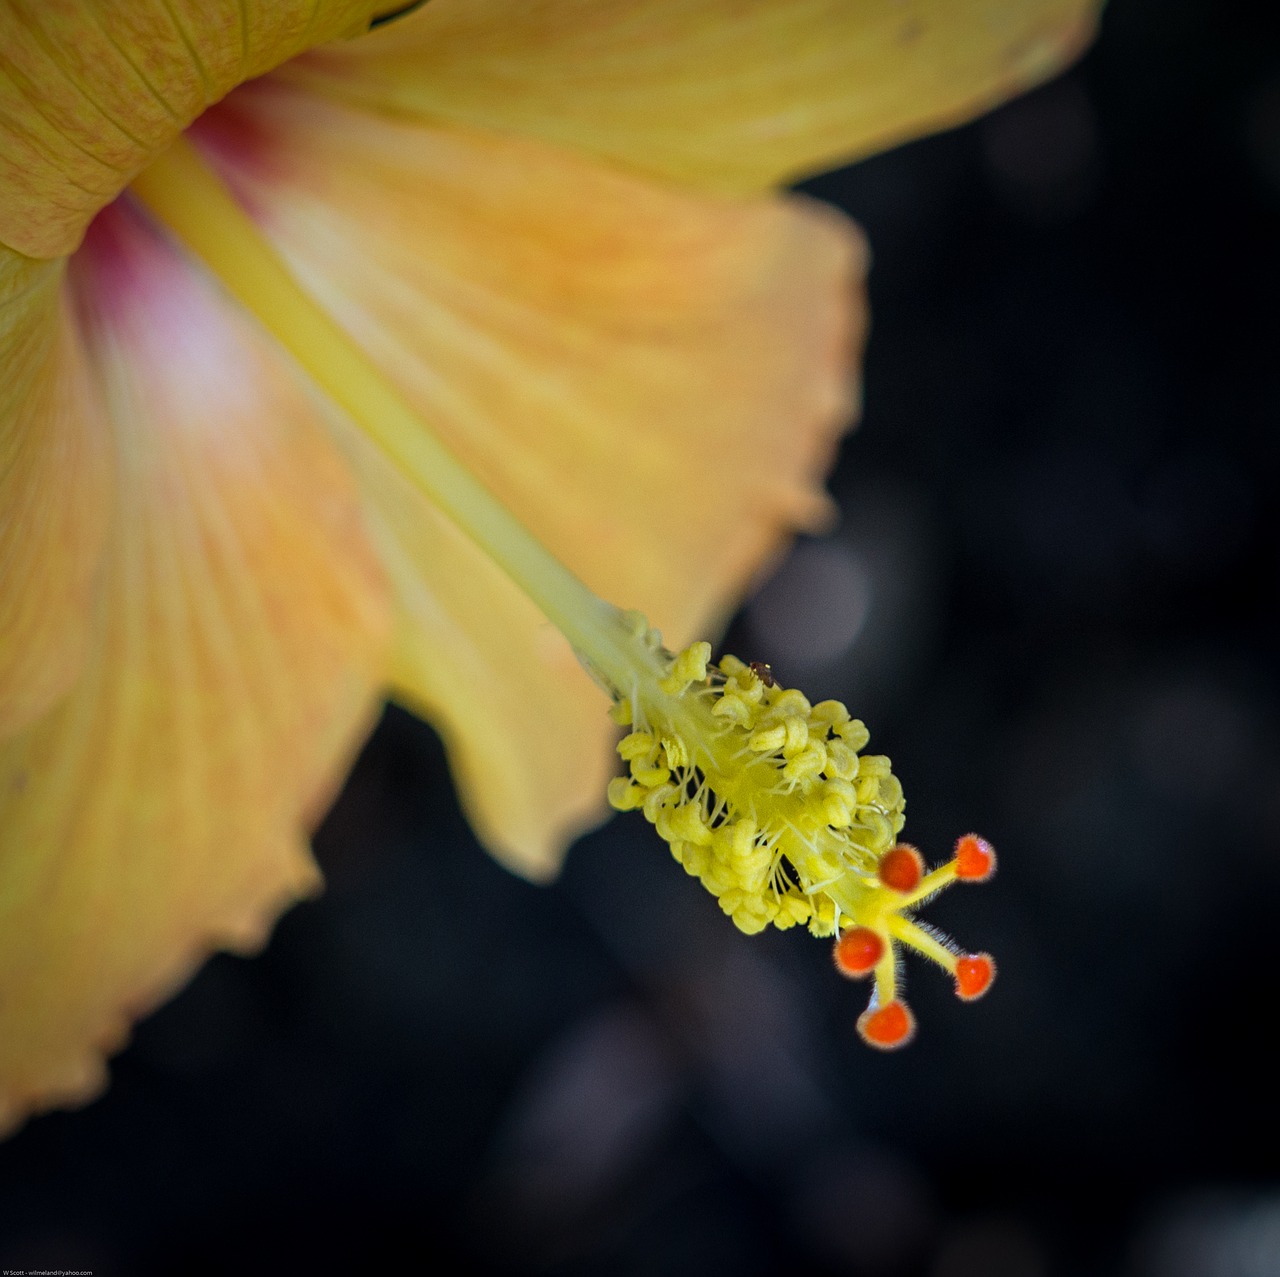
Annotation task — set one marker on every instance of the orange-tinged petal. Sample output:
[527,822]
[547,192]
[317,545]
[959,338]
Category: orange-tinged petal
[161,808]
[728,95]
[652,381]
[55,491]
[90,90]
[528,738]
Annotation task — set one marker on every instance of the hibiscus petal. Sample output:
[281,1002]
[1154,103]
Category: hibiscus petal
[160,809]
[55,491]
[529,742]
[90,90]
[652,381]
[727,95]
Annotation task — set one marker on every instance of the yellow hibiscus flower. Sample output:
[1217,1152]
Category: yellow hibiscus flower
[549,228]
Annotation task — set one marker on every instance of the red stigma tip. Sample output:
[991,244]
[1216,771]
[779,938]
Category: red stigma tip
[890,1026]
[902,868]
[974,973]
[975,858]
[857,951]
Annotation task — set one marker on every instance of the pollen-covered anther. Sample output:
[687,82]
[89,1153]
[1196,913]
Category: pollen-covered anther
[857,952]
[974,974]
[901,868]
[688,666]
[887,1027]
[975,859]
[808,762]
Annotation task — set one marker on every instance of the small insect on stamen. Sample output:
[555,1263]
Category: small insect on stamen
[975,859]
[902,868]
[857,952]
[763,672]
[974,974]
[887,1027]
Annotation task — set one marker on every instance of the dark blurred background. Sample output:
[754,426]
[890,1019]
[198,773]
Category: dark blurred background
[1052,600]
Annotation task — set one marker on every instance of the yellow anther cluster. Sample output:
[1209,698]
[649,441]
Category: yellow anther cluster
[760,795]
